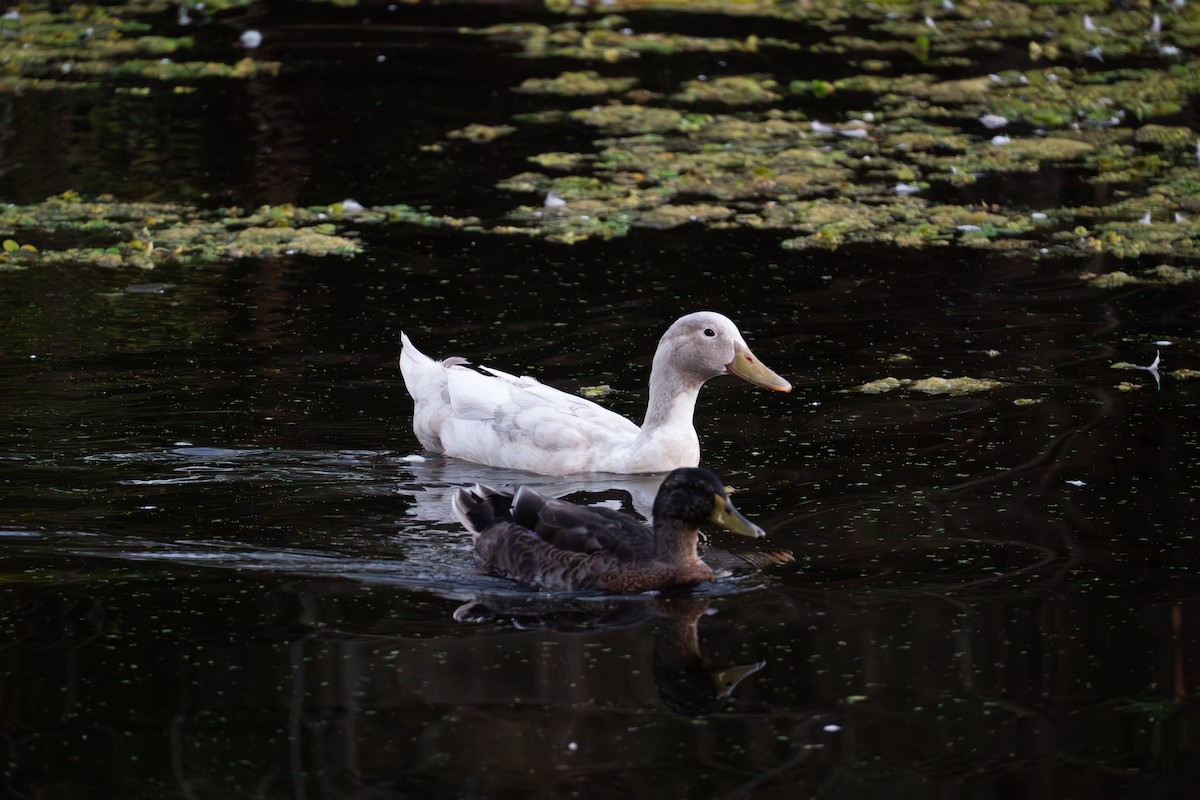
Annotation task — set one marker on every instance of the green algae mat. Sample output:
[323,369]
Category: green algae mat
[1061,129]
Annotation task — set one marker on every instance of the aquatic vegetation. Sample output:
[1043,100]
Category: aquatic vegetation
[758,154]
[934,385]
[892,135]
[732,90]
[105,232]
[577,84]
[480,134]
[1162,275]
[51,47]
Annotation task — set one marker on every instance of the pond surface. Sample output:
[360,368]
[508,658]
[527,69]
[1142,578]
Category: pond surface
[228,570]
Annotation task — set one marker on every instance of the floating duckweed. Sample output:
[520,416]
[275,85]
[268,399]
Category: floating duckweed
[576,84]
[146,235]
[880,386]
[481,134]
[733,90]
[1098,118]
[954,386]
[1171,136]
[1092,103]
[1110,280]
[670,216]
[951,386]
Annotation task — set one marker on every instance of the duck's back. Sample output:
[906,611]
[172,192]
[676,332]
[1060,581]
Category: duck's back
[556,545]
[507,421]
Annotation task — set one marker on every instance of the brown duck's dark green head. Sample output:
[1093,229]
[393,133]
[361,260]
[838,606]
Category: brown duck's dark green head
[695,496]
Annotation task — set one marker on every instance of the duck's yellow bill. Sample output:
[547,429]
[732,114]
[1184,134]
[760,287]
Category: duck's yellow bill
[729,518]
[747,367]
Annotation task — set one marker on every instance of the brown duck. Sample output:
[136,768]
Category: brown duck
[558,546]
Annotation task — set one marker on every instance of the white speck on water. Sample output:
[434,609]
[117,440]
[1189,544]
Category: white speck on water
[13,15]
[381,58]
[906,188]
[553,201]
[1145,220]
[251,39]
[967,227]
[1000,140]
[831,728]
[182,18]
[1088,25]
[993,121]
[350,204]
[1038,215]
[1077,483]
[573,746]
[929,23]
[33,357]
[1169,50]
[1156,25]
[415,459]
[821,127]
[1163,343]
[855,133]
[1095,53]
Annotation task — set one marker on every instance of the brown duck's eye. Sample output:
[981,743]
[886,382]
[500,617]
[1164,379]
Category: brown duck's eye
[709,332]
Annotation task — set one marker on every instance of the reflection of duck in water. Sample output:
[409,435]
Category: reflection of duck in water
[685,681]
[559,546]
[506,421]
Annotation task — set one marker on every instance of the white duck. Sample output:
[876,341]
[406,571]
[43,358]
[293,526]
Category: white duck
[505,421]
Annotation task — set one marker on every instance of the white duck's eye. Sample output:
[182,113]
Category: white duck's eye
[709,332]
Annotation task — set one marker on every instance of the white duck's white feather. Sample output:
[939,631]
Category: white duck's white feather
[517,422]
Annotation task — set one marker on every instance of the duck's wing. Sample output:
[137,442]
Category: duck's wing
[515,552]
[505,421]
[584,529]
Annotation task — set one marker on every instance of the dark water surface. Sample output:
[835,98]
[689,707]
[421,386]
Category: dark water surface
[223,573]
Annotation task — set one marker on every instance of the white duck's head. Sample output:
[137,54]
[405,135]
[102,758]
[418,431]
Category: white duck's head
[706,344]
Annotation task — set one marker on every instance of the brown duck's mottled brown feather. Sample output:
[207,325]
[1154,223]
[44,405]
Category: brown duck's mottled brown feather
[558,546]
[516,552]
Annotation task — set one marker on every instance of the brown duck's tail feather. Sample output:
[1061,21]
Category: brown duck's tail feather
[480,507]
[526,507]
